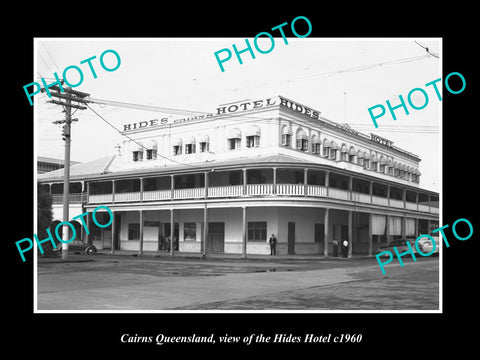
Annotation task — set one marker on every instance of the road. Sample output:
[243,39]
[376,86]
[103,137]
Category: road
[125,283]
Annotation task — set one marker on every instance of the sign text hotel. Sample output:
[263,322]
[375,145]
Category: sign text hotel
[226,110]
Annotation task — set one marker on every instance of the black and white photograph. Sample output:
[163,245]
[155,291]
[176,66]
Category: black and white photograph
[269,187]
[270,192]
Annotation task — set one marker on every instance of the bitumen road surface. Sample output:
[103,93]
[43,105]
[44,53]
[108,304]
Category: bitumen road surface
[115,283]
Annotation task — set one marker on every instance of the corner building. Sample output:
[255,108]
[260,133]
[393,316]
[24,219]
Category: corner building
[225,182]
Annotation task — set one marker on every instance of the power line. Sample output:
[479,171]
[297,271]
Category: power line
[136,142]
[427,50]
[48,53]
[145,107]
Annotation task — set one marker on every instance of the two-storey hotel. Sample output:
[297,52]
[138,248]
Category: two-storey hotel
[224,182]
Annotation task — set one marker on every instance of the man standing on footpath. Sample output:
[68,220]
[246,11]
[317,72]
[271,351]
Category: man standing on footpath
[273,245]
[345,248]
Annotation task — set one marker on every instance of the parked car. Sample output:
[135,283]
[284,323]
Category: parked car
[401,246]
[424,245]
[78,246]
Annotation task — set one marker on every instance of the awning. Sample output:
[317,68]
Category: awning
[360,154]
[301,134]
[344,148]
[177,142]
[203,138]
[136,146]
[287,130]
[390,163]
[253,131]
[234,134]
[382,161]
[316,139]
[374,158]
[334,146]
[326,143]
[352,151]
[151,145]
[190,141]
[366,155]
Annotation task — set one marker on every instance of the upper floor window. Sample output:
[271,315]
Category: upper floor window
[151,150]
[137,150]
[360,158]
[234,138]
[204,146]
[287,135]
[253,136]
[302,140]
[326,148]
[316,144]
[177,147]
[253,141]
[204,143]
[177,150]
[137,155]
[351,155]
[190,146]
[151,154]
[333,150]
[374,163]
[286,139]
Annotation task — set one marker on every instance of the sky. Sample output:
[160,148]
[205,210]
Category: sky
[339,77]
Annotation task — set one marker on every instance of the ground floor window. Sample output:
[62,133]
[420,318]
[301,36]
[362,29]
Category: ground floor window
[257,231]
[134,231]
[189,231]
[319,233]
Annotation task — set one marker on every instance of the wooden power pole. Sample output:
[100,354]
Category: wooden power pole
[76,96]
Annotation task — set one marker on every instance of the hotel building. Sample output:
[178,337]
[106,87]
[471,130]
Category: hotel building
[224,182]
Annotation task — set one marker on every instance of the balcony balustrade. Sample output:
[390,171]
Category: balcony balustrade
[249,190]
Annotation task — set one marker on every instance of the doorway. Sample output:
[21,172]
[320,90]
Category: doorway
[291,238]
[216,237]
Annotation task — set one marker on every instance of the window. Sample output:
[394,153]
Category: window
[177,150]
[319,233]
[374,166]
[302,140]
[234,143]
[333,153]
[316,148]
[134,231]
[382,168]
[234,137]
[286,139]
[390,170]
[151,154]
[343,156]
[189,231]
[366,162]
[253,141]
[326,151]
[204,146]
[396,172]
[302,144]
[351,159]
[189,148]
[360,161]
[137,155]
[257,231]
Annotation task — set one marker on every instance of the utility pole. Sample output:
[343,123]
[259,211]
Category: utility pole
[71,95]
